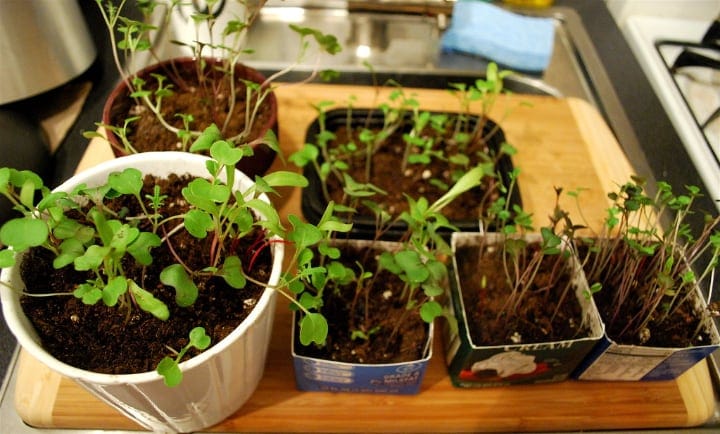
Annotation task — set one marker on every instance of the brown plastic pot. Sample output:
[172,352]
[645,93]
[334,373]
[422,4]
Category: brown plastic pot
[119,103]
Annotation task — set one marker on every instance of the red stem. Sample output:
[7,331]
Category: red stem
[265,244]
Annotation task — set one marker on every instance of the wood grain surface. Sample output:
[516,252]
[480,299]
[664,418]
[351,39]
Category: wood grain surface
[560,142]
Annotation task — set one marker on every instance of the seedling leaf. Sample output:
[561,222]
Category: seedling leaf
[430,310]
[199,339]
[411,263]
[129,181]
[141,247]
[170,371]
[115,287]
[209,136]
[147,302]
[313,328]
[305,234]
[22,233]
[283,178]
[198,223]
[232,273]
[69,250]
[88,293]
[7,258]
[225,153]
[185,290]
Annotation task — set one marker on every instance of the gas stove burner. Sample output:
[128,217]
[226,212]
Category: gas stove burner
[689,57]
[712,36]
[680,57]
[695,71]
[692,58]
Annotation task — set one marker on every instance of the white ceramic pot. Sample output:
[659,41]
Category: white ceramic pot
[215,383]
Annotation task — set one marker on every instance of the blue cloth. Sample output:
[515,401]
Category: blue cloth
[512,40]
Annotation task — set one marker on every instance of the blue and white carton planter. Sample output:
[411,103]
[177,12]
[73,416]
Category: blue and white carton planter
[474,365]
[610,361]
[401,378]
[320,375]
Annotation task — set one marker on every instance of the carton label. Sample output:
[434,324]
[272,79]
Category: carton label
[336,377]
[623,365]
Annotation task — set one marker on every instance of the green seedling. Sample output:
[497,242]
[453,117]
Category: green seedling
[169,367]
[639,264]
[309,281]
[523,259]
[426,137]
[418,264]
[130,37]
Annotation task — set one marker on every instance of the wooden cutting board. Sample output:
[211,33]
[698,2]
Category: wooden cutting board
[560,142]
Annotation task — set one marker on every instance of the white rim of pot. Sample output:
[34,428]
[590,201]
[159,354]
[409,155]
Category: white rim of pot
[14,315]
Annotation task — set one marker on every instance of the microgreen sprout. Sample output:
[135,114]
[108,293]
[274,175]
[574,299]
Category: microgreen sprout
[132,38]
[524,253]
[644,267]
[486,92]
[345,158]
[169,367]
[418,262]
[307,238]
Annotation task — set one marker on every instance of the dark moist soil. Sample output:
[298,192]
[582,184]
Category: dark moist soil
[678,331]
[208,103]
[532,321]
[388,175]
[409,341]
[121,341]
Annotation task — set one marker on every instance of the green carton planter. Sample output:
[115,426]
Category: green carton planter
[473,365]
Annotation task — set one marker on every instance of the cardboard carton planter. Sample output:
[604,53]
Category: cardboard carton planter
[614,359]
[472,364]
[315,371]
[387,172]
[617,362]
[319,375]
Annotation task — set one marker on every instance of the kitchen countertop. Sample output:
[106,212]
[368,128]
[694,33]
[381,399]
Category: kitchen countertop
[657,138]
